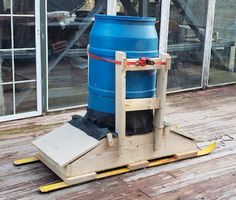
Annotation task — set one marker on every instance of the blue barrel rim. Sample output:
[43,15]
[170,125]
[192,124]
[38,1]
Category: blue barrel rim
[130,54]
[125,18]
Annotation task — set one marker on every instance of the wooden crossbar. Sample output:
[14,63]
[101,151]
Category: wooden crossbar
[142,104]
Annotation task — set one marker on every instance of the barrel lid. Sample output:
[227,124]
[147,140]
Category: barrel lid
[125,18]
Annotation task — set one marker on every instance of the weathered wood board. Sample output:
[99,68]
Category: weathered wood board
[65,144]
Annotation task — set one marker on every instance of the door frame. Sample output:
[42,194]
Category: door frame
[38,70]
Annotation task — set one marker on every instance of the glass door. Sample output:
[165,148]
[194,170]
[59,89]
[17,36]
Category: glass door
[68,26]
[186,39]
[223,50]
[20,74]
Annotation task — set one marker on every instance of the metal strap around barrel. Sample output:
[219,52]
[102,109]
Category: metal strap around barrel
[119,62]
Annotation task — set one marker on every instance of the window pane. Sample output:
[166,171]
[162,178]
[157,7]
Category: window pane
[186,43]
[150,8]
[128,7]
[25,65]
[69,25]
[26,98]
[5,66]
[23,6]
[6,99]
[223,68]
[5,32]
[68,83]
[24,32]
[5,7]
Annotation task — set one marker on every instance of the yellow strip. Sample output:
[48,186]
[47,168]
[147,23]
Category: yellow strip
[112,172]
[26,161]
[161,161]
[207,150]
[62,185]
[52,187]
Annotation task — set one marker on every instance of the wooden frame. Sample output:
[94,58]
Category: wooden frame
[123,105]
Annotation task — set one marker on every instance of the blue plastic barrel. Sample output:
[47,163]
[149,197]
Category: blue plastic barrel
[137,37]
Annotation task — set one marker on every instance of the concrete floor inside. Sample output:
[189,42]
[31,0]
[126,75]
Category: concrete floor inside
[206,114]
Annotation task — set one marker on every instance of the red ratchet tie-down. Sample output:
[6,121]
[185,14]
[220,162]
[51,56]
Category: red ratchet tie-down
[143,61]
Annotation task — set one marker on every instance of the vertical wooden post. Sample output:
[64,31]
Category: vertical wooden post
[120,96]
[162,76]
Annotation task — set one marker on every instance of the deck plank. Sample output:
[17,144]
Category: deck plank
[181,178]
[222,186]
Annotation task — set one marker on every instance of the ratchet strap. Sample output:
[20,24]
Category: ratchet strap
[143,61]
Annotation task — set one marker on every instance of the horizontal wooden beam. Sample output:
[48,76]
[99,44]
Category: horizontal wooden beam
[142,104]
[159,59]
[143,68]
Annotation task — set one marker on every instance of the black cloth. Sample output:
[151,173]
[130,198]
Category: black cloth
[98,124]
[89,127]
[137,122]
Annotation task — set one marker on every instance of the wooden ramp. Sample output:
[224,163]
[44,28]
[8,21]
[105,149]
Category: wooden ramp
[65,144]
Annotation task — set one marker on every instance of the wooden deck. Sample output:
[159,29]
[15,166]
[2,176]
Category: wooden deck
[207,115]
